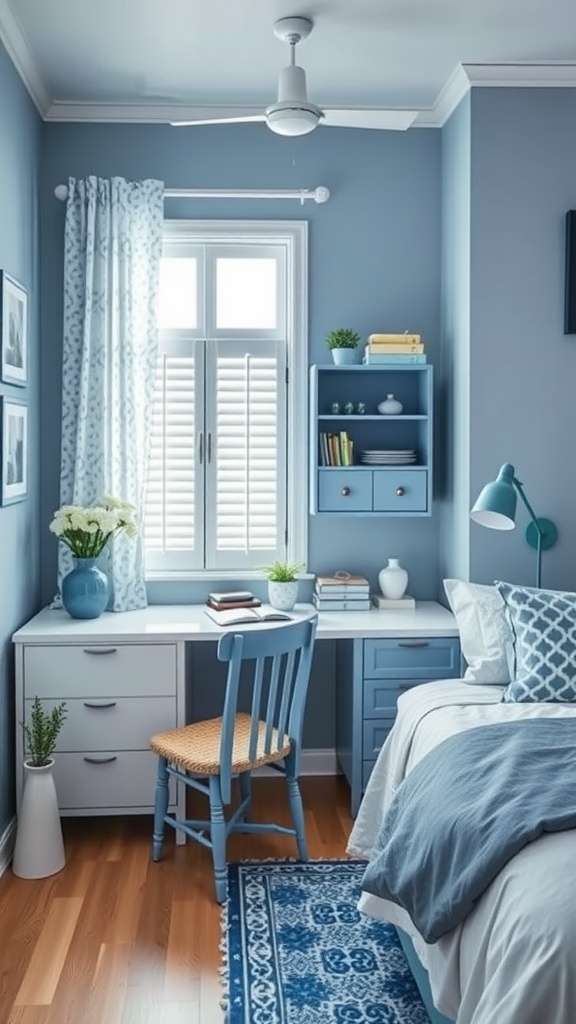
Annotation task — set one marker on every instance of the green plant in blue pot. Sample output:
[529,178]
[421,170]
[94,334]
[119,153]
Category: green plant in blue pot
[343,342]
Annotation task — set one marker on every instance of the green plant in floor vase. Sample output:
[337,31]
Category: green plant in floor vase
[39,846]
[282,584]
[42,732]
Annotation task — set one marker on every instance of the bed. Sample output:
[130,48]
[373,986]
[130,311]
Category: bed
[512,957]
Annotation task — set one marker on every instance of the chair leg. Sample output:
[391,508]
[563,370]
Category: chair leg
[297,811]
[160,809]
[218,837]
[245,780]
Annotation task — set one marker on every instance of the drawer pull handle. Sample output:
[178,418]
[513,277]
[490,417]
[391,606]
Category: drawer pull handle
[100,650]
[100,760]
[400,492]
[413,643]
[345,492]
[104,704]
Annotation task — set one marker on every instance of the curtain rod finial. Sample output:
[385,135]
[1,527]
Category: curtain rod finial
[61,192]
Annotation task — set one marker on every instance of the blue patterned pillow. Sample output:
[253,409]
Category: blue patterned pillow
[543,624]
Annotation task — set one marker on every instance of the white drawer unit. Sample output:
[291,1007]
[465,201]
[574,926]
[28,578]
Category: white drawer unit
[117,695]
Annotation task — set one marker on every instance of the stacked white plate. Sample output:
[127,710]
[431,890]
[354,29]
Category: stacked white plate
[388,457]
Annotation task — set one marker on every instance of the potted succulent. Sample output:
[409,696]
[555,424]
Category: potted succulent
[342,342]
[282,584]
[39,849]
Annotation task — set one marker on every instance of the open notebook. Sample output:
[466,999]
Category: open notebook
[238,616]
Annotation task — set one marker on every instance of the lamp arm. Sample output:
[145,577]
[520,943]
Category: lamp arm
[540,533]
[531,511]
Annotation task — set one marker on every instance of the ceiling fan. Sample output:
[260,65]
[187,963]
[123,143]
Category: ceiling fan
[293,113]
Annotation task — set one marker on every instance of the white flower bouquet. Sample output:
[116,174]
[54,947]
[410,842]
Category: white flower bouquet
[87,530]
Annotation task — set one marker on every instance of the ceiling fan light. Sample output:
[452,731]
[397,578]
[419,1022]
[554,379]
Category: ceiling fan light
[286,120]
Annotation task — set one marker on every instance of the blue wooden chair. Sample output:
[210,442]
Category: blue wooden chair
[275,662]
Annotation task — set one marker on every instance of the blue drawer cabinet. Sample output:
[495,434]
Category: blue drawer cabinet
[371,676]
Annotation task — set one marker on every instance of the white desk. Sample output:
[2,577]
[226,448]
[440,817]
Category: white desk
[123,678]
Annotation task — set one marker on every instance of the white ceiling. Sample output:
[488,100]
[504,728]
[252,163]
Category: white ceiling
[154,60]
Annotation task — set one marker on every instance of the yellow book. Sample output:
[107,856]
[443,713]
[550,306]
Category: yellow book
[391,347]
[395,339]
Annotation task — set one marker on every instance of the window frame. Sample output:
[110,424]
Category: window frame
[292,235]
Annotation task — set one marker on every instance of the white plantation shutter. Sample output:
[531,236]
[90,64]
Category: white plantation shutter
[247,470]
[173,530]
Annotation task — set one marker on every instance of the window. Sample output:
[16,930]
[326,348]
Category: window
[227,472]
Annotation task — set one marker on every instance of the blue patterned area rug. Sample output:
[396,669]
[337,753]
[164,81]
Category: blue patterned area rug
[297,951]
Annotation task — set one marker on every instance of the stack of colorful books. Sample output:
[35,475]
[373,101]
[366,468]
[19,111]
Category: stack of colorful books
[341,593]
[227,600]
[394,349]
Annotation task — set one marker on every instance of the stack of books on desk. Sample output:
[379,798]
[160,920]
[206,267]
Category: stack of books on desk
[394,349]
[227,600]
[341,593]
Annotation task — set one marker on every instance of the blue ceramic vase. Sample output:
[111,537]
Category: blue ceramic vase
[85,590]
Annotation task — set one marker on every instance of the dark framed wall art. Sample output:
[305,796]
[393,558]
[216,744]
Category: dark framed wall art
[14,451]
[14,321]
[570,287]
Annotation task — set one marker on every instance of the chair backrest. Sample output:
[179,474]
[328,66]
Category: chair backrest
[279,659]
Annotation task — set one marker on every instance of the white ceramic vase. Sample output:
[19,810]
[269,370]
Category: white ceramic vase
[393,580]
[391,407]
[283,596]
[39,848]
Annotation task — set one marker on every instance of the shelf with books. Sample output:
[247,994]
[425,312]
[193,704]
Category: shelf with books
[363,462]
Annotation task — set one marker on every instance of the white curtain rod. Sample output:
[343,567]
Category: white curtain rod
[319,195]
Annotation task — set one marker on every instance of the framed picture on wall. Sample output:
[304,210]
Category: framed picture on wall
[14,451]
[14,321]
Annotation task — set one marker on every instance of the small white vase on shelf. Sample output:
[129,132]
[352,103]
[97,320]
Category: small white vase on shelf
[393,580]
[391,407]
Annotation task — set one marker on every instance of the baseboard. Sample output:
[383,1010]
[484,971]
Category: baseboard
[313,762]
[7,845]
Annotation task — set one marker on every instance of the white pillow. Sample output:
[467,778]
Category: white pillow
[485,635]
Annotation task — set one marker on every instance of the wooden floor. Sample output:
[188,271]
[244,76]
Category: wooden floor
[116,939]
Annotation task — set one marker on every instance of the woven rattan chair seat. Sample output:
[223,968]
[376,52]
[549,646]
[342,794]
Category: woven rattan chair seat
[196,747]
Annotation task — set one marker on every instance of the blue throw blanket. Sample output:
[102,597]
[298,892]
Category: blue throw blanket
[465,809]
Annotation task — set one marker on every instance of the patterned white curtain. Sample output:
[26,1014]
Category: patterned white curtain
[113,244]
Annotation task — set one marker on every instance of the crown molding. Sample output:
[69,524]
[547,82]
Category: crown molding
[21,56]
[512,74]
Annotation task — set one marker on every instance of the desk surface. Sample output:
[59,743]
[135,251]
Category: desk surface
[160,623]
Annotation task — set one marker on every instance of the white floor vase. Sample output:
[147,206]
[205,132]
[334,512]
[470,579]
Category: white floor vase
[39,848]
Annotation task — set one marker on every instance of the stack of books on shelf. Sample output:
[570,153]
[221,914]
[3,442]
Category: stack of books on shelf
[227,600]
[394,349]
[341,593]
[336,449]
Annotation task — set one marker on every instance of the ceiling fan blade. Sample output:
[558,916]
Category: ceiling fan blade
[391,120]
[225,118]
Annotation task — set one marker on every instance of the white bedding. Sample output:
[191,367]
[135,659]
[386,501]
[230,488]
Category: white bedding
[513,960]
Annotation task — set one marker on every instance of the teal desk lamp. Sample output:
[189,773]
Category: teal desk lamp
[495,507]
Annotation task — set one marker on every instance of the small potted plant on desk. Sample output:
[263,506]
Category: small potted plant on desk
[282,585]
[343,342]
[39,849]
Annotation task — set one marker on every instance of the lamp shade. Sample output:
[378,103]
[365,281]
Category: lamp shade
[495,506]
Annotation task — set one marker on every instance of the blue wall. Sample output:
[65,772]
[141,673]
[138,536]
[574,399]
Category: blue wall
[522,371]
[20,130]
[373,264]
